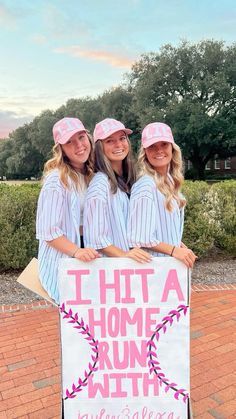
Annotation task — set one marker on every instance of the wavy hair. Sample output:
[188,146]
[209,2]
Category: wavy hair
[103,164]
[61,162]
[170,186]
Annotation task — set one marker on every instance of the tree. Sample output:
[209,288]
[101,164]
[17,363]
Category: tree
[117,103]
[87,109]
[39,133]
[193,89]
[5,152]
[24,160]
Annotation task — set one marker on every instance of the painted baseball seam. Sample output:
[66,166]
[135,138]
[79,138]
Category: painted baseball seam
[84,330]
[154,365]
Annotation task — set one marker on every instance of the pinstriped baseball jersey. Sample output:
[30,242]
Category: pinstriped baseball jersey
[105,215]
[150,223]
[58,214]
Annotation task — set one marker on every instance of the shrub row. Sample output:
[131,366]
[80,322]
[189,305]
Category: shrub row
[17,225]
[210,219]
[210,216]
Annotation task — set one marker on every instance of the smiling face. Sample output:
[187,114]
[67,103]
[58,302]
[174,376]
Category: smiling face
[159,156]
[77,150]
[116,148]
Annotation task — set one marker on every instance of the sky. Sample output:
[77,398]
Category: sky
[55,50]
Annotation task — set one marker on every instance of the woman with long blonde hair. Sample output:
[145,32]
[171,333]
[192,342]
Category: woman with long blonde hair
[156,214]
[59,223]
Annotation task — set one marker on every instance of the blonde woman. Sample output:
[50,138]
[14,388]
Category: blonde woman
[60,205]
[156,205]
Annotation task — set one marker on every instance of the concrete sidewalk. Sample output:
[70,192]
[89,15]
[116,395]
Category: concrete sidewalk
[30,357]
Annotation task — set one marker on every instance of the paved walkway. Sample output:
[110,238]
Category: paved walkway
[30,361]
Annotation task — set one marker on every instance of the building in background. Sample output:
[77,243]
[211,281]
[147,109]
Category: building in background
[217,168]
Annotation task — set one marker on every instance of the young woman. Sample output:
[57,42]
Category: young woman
[156,205]
[60,205]
[107,199]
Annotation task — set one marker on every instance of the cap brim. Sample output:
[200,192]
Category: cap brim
[109,133]
[68,135]
[156,140]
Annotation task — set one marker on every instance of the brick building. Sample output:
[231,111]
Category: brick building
[218,166]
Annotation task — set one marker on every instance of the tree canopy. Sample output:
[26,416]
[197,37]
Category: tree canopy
[191,87]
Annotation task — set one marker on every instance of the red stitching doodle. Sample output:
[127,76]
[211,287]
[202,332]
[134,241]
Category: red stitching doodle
[154,365]
[84,330]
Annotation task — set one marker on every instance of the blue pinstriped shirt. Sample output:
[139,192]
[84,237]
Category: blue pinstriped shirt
[150,223]
[105,215]
[58,213]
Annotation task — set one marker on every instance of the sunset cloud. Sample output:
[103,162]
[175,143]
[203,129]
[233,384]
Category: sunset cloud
[9,121]
[52,51]
[113,59]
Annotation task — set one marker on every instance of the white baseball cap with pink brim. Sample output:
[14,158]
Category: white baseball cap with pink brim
[107,127]
[64,129]
[156,132]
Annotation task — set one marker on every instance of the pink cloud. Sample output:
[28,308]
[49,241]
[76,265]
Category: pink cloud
[113,59]
[9,121]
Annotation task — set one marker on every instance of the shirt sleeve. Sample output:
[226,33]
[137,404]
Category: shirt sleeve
[96,216]
[181,222]
[49,214]
[141,225]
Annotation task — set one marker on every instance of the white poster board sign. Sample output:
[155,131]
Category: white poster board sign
[125,339]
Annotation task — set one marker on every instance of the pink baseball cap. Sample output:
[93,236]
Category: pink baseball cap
[155,132]
[64,129]
[107,127]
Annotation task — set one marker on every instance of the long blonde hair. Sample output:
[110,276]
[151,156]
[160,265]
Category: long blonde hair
[61,162]
[170,184]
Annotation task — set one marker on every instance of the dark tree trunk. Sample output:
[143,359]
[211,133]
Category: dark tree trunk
[198,169]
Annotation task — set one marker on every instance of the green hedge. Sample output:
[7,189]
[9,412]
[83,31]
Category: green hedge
[199,230]
[210,219]
[17,225]
[222,203]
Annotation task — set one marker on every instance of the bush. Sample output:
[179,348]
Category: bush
[210,219]
[199,230]
[221,206]
[17,225]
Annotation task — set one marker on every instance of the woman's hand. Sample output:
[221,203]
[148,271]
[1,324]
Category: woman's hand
[185,255]
[86,255]
[139,255]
